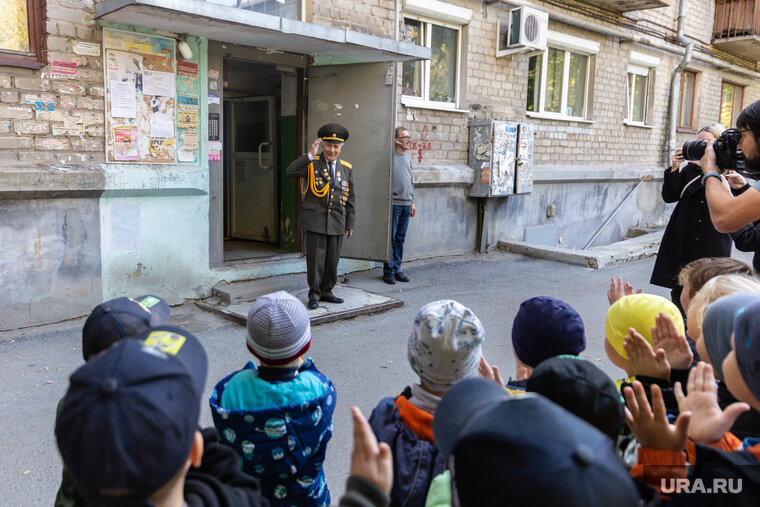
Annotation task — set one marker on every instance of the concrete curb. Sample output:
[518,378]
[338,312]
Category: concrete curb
[597,257]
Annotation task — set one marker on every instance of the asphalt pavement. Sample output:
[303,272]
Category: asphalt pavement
[366,357]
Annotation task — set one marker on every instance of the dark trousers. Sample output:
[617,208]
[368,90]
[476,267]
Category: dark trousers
[322,256]
[399,224]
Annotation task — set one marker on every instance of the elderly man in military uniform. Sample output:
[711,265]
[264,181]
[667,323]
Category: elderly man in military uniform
[327,209]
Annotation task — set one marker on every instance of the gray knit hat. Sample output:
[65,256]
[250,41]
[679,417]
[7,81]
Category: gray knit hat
[278,328]
[445,344]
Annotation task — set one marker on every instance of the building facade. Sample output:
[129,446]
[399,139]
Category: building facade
[142,147]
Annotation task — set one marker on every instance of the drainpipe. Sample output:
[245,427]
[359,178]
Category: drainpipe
[675,81]
[397,19]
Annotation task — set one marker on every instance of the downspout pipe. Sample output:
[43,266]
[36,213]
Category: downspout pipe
[675,80]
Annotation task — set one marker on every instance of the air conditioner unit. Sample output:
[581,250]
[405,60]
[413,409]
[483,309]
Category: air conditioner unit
[526,31]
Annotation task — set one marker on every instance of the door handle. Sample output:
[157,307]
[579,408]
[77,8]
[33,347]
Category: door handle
[261,163]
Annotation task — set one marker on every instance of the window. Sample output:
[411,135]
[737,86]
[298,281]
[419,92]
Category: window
[22,41]
[638,88]
[731,97]
[686,100]
[558,78]
[436,80]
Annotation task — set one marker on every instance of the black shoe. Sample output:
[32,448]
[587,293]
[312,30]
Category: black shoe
[401,277]
[313,304]
[331,299]
[388,278]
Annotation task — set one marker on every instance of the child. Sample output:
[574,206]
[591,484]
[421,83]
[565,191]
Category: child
[544,327]
[637,311]
[108,323]
[128,428]
[278,417]
[444,347]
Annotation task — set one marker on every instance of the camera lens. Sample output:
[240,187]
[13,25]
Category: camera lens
[694,150]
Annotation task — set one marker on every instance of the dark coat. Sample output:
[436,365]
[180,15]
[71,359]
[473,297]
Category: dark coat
[747,239]
[415,461]
[690,234]
[332,214]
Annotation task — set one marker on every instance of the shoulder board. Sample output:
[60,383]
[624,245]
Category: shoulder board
[347,164]
[316,157]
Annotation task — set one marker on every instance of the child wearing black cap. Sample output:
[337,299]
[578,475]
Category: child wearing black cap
[108,323]
[128,428]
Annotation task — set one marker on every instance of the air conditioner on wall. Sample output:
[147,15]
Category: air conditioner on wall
[525,31]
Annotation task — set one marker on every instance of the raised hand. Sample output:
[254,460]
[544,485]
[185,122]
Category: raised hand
[709,422]
[314,150]
[644,360]
[650,423]
[489,372]
[665,336]
[618,289]
[369,459]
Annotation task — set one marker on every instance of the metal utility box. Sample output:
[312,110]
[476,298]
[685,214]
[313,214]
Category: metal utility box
[501,154]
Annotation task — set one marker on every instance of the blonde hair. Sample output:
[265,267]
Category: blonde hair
[714,289]
[715,129]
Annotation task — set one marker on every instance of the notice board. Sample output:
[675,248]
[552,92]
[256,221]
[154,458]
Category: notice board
[141,97]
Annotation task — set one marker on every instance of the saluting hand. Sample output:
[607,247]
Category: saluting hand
[314,150]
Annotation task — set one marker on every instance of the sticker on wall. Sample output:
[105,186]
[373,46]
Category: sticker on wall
[187,69]
[41,103]
[214,151]
[86,48]
[213,74]
[213,99]
[63,70]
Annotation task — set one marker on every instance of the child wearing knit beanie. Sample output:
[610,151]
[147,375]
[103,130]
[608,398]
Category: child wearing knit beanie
[443,348]
[278,417]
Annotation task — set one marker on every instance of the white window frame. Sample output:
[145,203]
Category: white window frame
[569,44]
[424,101]
[640,64]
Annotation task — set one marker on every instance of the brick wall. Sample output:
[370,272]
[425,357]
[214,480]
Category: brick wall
[72,132]
[496,88]
[374,17]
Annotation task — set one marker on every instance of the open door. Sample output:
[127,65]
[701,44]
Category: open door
[253,176]
[358,97]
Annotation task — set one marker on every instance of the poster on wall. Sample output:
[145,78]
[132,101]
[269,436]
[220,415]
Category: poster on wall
[141,102]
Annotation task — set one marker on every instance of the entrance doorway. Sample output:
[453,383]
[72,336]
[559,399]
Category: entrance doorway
[259,200]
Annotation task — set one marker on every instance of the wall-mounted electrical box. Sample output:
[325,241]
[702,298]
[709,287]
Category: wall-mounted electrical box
[501,154]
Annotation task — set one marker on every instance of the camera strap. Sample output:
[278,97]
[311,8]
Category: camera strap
[689,183]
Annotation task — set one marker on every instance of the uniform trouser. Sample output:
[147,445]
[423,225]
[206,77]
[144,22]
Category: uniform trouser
[322,256]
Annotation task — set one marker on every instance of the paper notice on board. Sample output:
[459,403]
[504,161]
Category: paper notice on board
[123,99]
[161,126]
[190,140]
[158,83]
[125,145]
[186,156]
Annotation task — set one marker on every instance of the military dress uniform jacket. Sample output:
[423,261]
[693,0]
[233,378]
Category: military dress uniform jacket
[327,207]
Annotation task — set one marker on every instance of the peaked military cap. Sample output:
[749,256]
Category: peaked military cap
[334,132]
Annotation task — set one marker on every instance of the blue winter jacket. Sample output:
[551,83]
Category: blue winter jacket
[282,446]
[415,461]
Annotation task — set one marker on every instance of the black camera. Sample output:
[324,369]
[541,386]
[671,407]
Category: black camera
[727,156]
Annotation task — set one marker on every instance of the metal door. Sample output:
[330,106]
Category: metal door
[252,174]
[361,97]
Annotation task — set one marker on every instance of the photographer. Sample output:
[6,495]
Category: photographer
[730,213]
[690,234]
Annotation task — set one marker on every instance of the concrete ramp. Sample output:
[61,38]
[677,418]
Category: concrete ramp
[233,301]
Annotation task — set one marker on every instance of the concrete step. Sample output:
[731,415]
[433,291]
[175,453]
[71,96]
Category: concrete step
[597,257]
[233,300]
